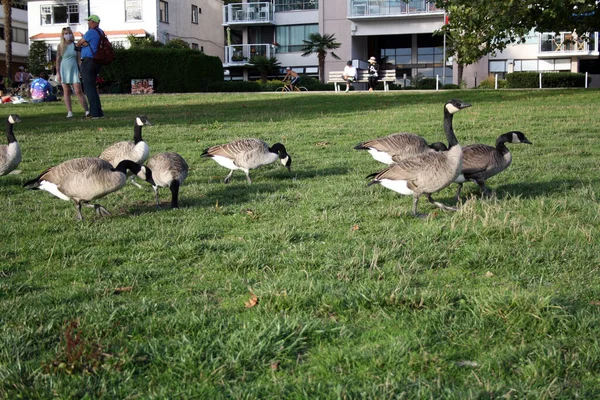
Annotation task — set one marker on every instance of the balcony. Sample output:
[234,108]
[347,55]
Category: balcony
[568,44]
[248,14]
[240,54]
[365,9]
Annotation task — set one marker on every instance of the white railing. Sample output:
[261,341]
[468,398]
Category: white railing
[387,8]
[241,54]
[245,13]
[567,42]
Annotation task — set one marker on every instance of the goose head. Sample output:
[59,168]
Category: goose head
[141,120]
[141,171]
[13,119]
[453,106]
[284,157]
[517,137]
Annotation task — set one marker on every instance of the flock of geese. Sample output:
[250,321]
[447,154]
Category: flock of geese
[415,168]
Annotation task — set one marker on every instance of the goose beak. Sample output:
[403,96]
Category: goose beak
[464,105]
[526,141]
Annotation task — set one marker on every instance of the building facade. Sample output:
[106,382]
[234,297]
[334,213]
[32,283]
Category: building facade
[20,39]
[195,21]
[400,34]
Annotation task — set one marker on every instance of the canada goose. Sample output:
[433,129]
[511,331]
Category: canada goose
[247,154]
[85,179]
[428,172]
[10,154]
[136,150]
[481,162]
[398,146]
[168,170]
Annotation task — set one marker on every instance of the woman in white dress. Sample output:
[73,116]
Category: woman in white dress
[67,70]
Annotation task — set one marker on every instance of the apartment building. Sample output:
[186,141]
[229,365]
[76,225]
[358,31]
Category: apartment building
[398,33]
[20,38]
[195,21]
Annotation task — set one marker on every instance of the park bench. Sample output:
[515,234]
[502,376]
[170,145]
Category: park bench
[385,75]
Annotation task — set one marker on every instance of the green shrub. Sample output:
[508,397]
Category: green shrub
[450,86]
[490,83]
[158,64]
[425,84]
[549,79]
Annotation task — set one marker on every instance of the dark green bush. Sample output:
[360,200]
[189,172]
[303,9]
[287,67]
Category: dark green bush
[450,86]
[490,83]
[425,84]
[549,79]
[173,70]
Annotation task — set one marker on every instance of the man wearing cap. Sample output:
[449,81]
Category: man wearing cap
[89,68]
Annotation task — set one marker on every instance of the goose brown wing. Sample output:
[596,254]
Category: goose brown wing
[478,157]
[397,142]
[116,152]
[90,179]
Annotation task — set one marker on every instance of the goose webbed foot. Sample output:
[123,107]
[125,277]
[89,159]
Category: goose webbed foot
[440,205]
[101,211]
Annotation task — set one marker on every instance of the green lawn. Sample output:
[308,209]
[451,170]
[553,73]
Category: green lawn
[356,298]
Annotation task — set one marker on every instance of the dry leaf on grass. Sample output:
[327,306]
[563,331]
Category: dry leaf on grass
[595,302]
[354,227]
[275,366]
[120,290]
[489,274]
[252,301]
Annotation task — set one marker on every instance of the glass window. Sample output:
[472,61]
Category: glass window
[195,46]
[294,5]
[498,66]
[290,37]
[194,14]
[163,7]
[19,35]
[59,14]
[133,10]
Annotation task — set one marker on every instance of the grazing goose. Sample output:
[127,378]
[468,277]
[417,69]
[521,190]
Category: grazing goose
[10,154]
[136,150]
[85,179]
[398,146]
[481,162]
[168,170]
[428,172]
[247,154]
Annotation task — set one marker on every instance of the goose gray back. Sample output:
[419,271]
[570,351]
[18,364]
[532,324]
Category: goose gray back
[10,154]
[429,172]
[168,170]
[481,162]
[82,180]
[136,150]
[398,147]
[247,154]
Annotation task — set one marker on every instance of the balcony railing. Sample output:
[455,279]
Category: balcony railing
[248,13]
[568,43]
[295,5]
[241,54]
[390,8]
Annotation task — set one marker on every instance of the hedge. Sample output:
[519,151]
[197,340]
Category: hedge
[173,70]
[549,79]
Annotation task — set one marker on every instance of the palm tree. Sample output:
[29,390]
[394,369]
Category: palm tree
[8,36]
[264,65]
[320,44]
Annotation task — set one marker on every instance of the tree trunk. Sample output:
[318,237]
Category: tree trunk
[459,72]
[321,57]
[8,36]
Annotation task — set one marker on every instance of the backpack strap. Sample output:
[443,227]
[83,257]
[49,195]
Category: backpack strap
[101,34]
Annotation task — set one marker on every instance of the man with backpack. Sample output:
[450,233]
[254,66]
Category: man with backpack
[89,67]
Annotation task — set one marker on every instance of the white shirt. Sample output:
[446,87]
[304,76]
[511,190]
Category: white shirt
[349,71]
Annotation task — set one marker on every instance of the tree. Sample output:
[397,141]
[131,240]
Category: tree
[177,43]
[37,59]
[477,28]
[320,44]
[7,5]
[143,42]
[264,65]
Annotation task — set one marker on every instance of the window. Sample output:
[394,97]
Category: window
[293,5]
[164,11]
[19,35]
[133,10]
[194,14]
[195,46]
[59,14]
[290,37]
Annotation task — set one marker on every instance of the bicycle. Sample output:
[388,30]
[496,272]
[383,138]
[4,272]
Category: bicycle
[286,88]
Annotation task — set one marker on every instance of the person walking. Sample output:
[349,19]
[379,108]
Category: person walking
[67,72]
[373,73]
[90,68]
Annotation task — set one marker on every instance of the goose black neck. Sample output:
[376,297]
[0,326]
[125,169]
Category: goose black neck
[10,136]
[137,134]
[125,165]
[279,149]
[452,141]
[500,146]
